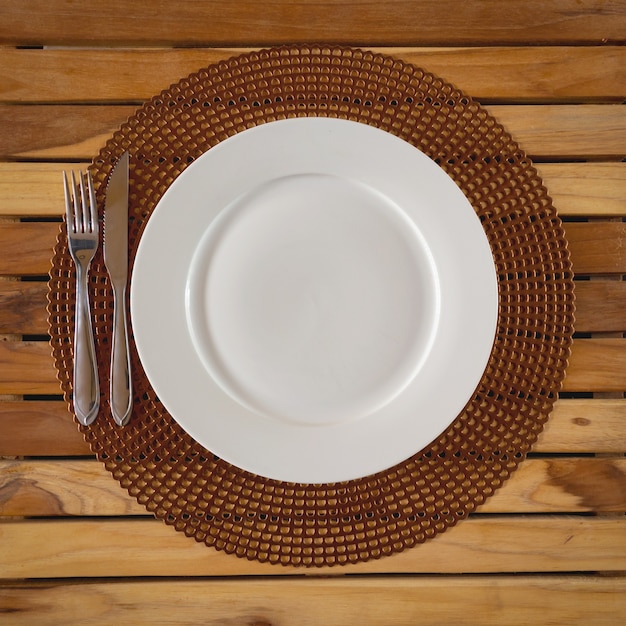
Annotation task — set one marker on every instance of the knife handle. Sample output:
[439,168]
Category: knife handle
[86,388]
[121,397]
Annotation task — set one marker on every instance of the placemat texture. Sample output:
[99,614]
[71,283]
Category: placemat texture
[223,506]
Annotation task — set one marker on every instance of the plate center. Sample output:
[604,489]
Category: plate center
[313,299]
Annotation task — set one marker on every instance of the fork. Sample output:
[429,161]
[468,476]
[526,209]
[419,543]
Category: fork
[83,235]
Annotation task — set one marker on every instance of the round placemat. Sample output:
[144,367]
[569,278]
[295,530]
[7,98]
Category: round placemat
[187,486]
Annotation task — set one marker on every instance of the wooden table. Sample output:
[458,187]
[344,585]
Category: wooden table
[548,548]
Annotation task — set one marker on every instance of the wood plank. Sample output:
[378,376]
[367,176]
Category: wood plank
[544,131]
[23,306]
[537,74]
[26,248]
[84,488]
[39,428]
[31,189]
[589,425]
[27,367]
[597,247]
[562,132]
[147,547]
[579,189]
[157,22]
[595,365]
[599,306]
[345,601]
[45,428]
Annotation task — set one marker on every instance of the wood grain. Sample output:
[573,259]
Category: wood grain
[582,426]
[26,367]
[26,248]
[23,306]
[69,132]
[345,601]
[533,74]
[158,22]
[597,365]
[597,189]
[592,245]
[45,428]
[84,488]
[146,547]
[39,428]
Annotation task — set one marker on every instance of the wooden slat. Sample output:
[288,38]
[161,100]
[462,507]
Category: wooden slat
[26,248]
[595,365]
[589,189]
[556,73]
[598,247]
[45,428]
[142,547]
[23,307]
[39,428]
[586,188]
[566,131]
[146,22]
[58,132]
[600,306]
[32,189]
[84,488]
[27,368]
[345,601]
[585,426]
[546,131]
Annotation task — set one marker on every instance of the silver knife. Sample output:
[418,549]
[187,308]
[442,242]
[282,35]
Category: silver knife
[116,260]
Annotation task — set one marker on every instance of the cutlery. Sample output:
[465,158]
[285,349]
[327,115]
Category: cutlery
[82,234]
[116,261]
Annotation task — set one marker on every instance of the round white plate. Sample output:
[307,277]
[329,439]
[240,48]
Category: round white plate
[314,300]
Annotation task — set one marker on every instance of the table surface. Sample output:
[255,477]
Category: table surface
[548,548]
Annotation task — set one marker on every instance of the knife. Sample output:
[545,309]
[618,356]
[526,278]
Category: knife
[116,261]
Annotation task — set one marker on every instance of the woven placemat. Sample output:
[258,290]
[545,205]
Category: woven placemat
[187,486]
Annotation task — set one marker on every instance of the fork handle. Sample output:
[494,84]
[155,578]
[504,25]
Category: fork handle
[86,392]
[121,387]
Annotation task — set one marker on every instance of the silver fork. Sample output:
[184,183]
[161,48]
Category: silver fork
[82,234]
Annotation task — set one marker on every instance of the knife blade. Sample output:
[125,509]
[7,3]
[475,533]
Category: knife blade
[116,261]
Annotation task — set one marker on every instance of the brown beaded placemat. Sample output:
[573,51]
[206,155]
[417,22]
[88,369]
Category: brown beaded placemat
[188,487]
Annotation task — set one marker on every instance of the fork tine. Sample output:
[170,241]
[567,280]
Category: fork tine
[84,221]
[76,205]
[93,209]
[69,219]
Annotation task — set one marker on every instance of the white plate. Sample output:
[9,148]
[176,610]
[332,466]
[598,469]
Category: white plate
[314,300]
